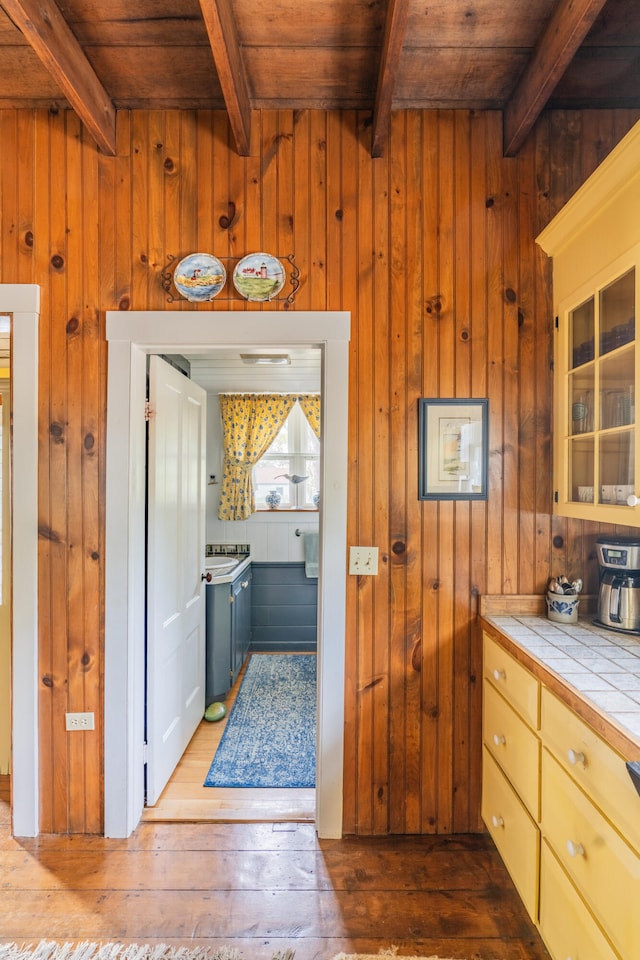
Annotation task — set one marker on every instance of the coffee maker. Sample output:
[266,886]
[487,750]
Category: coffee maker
[619,596]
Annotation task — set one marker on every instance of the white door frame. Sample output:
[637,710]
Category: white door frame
[5,573]
[131,336]
[22,301]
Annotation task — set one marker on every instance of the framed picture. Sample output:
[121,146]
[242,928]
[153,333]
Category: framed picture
[453,449]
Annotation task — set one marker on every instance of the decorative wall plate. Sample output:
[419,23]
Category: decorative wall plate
[199,277]
[259,276]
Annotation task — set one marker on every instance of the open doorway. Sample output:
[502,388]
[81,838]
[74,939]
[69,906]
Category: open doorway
[132,336]
[284,590]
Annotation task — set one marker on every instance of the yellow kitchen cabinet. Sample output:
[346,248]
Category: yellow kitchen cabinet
[512,680]
[513,831]
[603,868]
[514,746]
[566,925]
[510,767]
[595,244]
[595,766]
[562,811]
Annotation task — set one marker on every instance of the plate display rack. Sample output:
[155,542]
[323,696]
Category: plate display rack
[288,261]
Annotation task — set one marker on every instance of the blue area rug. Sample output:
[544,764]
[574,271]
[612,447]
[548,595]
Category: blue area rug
[270,736]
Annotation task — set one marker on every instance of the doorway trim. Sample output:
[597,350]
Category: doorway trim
[22,301]
[131,337]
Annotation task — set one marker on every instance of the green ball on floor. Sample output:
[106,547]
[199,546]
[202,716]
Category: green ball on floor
[215,711]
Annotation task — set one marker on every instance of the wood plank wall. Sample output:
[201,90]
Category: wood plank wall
[432,250]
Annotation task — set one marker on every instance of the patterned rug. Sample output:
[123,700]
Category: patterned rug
[54,950]
[270,736]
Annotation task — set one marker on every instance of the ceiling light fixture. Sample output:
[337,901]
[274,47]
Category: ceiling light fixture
[279,358]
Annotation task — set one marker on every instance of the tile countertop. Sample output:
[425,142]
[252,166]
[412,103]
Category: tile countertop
[601,665]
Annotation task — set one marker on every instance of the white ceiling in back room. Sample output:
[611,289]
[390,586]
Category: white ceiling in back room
[224,370]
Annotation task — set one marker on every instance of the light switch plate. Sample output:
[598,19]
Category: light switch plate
[363,561]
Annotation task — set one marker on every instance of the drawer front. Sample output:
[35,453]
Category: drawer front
[514,833]
[602,866]
[566,926]
[592,763]
[514,746]
[514,682]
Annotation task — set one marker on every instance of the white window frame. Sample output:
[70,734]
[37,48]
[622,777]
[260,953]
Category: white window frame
[297,419]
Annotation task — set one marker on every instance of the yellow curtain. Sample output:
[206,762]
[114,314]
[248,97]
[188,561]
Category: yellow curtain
[250,424]
[310,403]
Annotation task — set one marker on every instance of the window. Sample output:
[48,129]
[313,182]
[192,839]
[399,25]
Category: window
[294,453]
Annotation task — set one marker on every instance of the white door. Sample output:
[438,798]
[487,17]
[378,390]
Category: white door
[175,559]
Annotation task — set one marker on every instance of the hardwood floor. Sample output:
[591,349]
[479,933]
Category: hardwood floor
[185,799]
[263,887]
[260,887]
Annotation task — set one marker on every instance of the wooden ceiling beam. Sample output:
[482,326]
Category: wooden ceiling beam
[50,37]
[225,46]
[394,33]
[567,28]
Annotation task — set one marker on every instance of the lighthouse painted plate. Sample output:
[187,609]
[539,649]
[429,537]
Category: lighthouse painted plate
[199,277]
[259,276]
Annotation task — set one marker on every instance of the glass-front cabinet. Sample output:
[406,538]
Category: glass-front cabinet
[595,396]
[594,243]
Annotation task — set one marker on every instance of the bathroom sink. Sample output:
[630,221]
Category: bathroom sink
[221,564]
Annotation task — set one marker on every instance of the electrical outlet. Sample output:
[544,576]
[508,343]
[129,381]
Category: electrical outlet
[79,721]
[363,561]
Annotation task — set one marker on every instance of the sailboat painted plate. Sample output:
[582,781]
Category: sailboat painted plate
[199,277]
[259,276]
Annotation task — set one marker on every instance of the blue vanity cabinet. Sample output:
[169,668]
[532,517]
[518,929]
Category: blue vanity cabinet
[228,632]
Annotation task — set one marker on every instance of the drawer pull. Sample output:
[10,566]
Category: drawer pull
[499,739]
[575,849]
[576,756]
[499,674]
[497,821]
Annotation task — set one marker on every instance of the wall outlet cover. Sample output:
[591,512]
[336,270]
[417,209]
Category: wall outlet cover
[79,721]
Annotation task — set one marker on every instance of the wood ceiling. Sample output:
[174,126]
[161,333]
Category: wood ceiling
[518,56]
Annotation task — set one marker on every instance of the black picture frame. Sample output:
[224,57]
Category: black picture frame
[453,449]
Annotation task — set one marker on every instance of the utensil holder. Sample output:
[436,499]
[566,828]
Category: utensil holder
[562,608]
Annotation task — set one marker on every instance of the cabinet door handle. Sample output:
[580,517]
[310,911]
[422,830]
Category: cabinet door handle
[499,674]
[576,756]
[499,739]
[497,821]
[244,584]
[575,849]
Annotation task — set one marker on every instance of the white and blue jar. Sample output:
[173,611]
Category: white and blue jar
[273,499]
